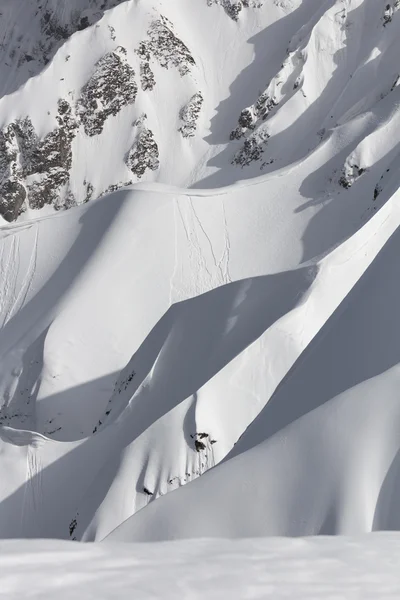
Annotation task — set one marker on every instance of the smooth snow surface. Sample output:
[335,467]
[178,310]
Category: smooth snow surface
[276,568]
[199,269]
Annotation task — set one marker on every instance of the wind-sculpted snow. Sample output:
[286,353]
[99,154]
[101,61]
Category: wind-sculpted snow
[206,343]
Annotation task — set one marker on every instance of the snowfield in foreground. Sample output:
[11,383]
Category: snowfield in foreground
[276,568]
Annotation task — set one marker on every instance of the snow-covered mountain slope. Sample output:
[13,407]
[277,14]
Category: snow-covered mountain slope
[307,569]
[201,370]
[322,456]
[230,315]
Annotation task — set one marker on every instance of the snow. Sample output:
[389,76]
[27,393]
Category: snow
[305,569]
[199,291]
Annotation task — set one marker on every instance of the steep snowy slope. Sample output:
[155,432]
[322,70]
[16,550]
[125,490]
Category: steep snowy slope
[233,308]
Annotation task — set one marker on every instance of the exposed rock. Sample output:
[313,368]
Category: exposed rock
[389,11]
[249,116]
[387,15]
[112,33]
[115,187]
[111,87]
[246,121]
[33,169]
[12,198]
[52,159]
[233,8]
[89,191]
[144,154]
[189,115]
[147,80]
[253,148]
[396,81]
[199,446]
[350,174]
[73,525]
[166,47]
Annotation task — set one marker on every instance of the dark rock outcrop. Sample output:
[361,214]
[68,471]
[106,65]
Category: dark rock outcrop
[189,115]
[35,170]
[111,87]
[144,154]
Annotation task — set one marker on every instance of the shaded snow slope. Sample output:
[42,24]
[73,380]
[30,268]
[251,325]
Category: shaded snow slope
[363,567]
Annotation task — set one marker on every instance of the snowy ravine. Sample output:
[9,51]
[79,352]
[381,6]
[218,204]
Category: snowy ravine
[199,283]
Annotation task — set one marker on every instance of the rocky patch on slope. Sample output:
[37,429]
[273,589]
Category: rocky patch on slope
[252,149]
[189,115]
[35,170]
[389,11]
[144,153]
[147,80]
[233,8]
[251,115]
[111,87]
[165,47]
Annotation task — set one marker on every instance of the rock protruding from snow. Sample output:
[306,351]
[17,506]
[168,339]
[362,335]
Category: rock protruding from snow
[12,198]
[147,80]
[252,149]
[390,9]
[111,87]
[350,174]
[189,115]
[249,116]
[233,8]
[35,169]
[163,45]
[144,154]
